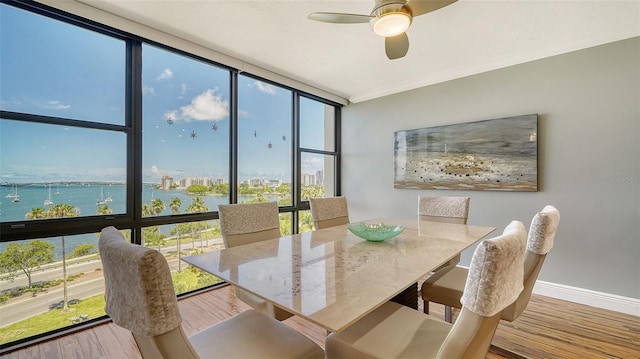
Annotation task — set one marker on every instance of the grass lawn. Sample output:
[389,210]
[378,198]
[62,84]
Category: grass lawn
[53,319]
[93,307]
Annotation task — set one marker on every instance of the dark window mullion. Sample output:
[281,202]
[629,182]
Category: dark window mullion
[295,161]
[233,137]
[133,112]
[337,135]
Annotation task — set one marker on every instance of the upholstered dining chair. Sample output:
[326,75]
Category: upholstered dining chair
[395,331]
[140,297]
[249,223]
[444,209]
[449,210]
[329,211]
[447,289]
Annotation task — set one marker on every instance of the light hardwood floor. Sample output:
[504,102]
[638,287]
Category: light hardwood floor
[549,328]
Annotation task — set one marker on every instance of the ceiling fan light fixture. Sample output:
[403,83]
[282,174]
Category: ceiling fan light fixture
[391,24]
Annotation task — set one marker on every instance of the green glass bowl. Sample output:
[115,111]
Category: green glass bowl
[374,232]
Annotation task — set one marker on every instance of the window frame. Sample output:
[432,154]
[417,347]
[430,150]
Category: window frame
[132,218]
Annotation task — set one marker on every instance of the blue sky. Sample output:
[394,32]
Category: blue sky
[51,68]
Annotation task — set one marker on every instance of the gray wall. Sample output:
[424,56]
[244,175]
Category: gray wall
[588,103]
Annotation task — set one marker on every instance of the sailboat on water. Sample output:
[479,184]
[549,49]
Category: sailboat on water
[14,194]
[108,199]
[101,201]
[48,201]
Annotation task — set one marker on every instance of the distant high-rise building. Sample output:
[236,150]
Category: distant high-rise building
[273,183]
[308,179]
[319,177]
[166,182]
[256,182]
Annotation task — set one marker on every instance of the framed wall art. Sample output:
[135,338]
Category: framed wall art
[498,154]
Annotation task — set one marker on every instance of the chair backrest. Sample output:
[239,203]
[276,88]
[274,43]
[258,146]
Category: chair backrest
[494,282]
[444,209]
[248,223]
[542,233]
[329,212]
[139,296]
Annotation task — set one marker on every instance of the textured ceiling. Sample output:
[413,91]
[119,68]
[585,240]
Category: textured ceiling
[465,38]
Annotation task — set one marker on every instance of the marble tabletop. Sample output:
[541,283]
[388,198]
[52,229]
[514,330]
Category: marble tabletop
[332,277]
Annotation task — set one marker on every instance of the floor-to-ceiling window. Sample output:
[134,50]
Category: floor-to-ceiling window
[99,128]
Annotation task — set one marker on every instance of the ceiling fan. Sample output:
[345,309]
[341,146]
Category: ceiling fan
[389,19]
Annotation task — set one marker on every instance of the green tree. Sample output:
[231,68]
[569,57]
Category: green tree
[197,206]
[62,210]
[157,206]
[305,221]
[82,250]
[146,210]
[312,192]
[285,225]
[104,209]
[245,190]
[36,213]
[175,203]
[284,190]
[220,188]
[197,189]
[151,235]
[26,257]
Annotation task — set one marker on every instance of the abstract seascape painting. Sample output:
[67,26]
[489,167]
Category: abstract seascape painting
[499,154]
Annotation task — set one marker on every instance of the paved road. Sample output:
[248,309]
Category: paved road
[51,273]
[30,306]
[16,311]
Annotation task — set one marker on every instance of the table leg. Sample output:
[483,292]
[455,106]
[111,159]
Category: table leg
[408,297]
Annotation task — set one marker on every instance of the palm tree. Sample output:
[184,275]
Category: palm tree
[61,210]
[196,206]
[157,206]
[36,213]
[104,209]
[175,204]
[306,221]
[149,233]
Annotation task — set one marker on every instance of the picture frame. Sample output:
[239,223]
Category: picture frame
[497,154]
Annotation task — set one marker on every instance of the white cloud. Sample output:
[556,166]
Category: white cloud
[57,105]
[312,164]
[244,113]
[166,74]
[208,106]
[264,87]
[148,90]
[155,170]
[183,88]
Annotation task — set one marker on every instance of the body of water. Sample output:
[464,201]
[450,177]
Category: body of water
[85,198]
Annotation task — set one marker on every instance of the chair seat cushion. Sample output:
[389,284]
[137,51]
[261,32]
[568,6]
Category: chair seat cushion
[447,289]
[251,334]
[391,331]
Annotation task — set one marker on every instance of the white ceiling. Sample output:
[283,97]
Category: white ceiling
[465,38]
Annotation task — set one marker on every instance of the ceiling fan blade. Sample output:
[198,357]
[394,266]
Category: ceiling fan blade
[339,18]
[421,7]
[396,46]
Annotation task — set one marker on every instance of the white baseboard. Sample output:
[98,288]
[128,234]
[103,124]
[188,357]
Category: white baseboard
[589,297]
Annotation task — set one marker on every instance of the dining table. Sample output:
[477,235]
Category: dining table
[332,277]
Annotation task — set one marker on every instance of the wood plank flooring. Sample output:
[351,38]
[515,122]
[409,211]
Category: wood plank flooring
[549,328]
